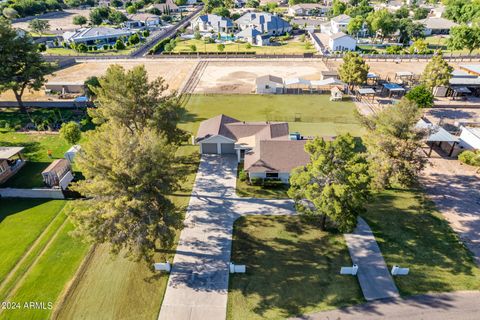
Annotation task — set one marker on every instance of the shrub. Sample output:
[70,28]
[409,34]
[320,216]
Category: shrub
[422,96]
[119,45]
[106,47]
[81,47]
[42,47]
[197,35]
[3,123]
[134,39]
[242,175]
[256,181]
[17,127]
[273,183]
[470,157]
[248,45]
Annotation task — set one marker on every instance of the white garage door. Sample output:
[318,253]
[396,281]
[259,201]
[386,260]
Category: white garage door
[209,148]
[228,148]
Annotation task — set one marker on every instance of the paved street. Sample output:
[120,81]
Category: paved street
[373,276]
[455,189]
[198,284]
[443,306]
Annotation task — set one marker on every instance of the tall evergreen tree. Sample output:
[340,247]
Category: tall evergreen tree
[437,72]
[354,70]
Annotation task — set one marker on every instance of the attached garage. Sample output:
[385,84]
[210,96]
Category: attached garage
[228,148]
[209,148]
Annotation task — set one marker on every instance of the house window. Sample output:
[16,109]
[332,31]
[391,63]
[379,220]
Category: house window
[272,175]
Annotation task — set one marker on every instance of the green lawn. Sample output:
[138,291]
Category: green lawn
[317,115]
[21,222]
[411,233]
[36,147]
[440,42]
[292,269]
[289,47]
[46,280]
[244,189]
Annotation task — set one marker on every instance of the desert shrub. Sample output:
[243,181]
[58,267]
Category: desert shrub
[242,175]
[256,181]
[470,157]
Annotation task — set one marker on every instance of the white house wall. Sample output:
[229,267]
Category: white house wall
[469,140]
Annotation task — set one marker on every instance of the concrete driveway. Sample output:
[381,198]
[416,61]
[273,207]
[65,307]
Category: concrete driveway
[198,284]
[455,189]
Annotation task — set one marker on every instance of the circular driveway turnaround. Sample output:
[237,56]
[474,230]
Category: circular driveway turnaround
[198,284]
[444,306]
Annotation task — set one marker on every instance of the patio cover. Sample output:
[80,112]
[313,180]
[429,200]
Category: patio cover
[393,87]
[8,152]
[327,82]
[435,132]
[365,91]
[293,81]
[403,74]
[461,90]
[372,75]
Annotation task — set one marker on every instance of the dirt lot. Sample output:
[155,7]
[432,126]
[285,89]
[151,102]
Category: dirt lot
[239,76]
[174,72]
[59,21]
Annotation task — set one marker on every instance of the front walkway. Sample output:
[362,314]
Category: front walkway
[444,306]
[373,275]
[455,189]
[198,284]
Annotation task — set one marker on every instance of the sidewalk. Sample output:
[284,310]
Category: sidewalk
[373,275]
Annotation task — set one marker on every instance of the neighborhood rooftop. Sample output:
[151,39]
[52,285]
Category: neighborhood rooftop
[8,152]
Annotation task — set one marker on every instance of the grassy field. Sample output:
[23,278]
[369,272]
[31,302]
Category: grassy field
[47,278]
[440,42]
[292,269]
[21,222]
[317,114]
[411,233]
[289,47]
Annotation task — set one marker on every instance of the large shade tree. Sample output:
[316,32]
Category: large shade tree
[334,185]
[22,66]
[394,145]
[437,72]
[354,70]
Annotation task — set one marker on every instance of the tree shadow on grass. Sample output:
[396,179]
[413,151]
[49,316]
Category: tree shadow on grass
[292,267]
[10,207]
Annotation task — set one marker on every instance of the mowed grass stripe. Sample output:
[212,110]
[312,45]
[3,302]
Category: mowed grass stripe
[21,223]
[47,278]
[31,255]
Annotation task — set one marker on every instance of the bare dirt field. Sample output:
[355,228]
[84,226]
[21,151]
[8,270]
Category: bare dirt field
[239,76]
[452,115]
[175,73]
[59,21]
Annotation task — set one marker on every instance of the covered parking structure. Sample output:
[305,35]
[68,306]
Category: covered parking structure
[437,136]
[297,85]
[393,89]
[365,93]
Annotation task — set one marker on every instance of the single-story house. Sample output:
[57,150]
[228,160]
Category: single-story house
[95,35]
[266,23]
[269,84]
[341,41]
[470,137]
[212,22]
[65,87]
[339,23]
[267,148]
[434,25]
[142,20]
[309,9]
[165,8]
[11,161]
[58,174]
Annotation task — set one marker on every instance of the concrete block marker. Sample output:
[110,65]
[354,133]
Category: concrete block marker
[349,270]
[163,266]
[397,271]
[237,268]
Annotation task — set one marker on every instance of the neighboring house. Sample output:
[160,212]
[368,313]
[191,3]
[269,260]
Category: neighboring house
[267,148]
[339,23]
[341,42]
[307,24]
[470,137]
[212,22]
[253,36]
[309,9]
[96,35]
[142,20]
[11,161]
[269,84]
[58,174]
[165,8]
[265,23]
[435,25]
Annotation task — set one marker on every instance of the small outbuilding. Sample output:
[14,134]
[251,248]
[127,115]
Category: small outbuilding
[58,174]
[393,89]
[72,152]
[269,84]
[336,94]
[437,136]
[365,94]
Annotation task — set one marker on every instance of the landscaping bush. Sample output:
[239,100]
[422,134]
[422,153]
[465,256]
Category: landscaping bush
[242,175]
[273,183]
[256,181]
[470,157]
[81,47]
[119,45]
[3,123]
[160,46]
[422,96]
[42,47]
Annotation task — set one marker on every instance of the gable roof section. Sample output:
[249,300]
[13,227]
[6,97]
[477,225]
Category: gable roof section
[277,156]
[437,23]
[341,18]
[269,78]
[8,152]
[340,35]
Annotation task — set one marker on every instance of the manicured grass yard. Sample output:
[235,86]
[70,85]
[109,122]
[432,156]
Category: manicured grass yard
[36,147]
[289,47]
[21,222]
[411,233]
[292,269]
[317,114]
